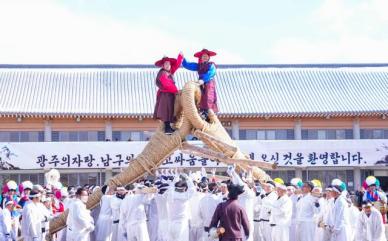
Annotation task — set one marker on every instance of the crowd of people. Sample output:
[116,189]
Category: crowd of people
[197,206]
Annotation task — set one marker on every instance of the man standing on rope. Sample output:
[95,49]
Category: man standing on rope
[164,107]
[206,73]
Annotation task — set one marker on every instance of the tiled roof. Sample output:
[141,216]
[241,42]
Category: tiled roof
[243,91]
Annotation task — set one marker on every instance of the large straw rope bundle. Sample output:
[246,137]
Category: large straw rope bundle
[190,92]
[161,146]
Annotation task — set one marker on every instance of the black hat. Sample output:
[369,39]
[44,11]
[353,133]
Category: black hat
[271,183]
[202,185]
[235,190]
[163,187]
[34,194]
[181,186]
[337,189]
[212,186]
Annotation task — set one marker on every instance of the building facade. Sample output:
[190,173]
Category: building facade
[290,104]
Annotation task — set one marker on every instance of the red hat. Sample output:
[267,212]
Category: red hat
[204,51]
[160,62]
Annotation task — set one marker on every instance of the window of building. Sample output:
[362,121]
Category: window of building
[78,136]
[80,179]
[131,135]
[19,178]
[21,136]
[327,134]
[326,176]
[281,134]
[374,134]
[285,175]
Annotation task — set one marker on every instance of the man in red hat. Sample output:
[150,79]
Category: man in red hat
[164,107]
[206,72]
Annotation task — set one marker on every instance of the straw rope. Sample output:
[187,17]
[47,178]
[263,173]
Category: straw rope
[161,146]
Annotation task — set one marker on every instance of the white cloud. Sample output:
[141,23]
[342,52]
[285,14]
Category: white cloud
[346,31]
[45,32]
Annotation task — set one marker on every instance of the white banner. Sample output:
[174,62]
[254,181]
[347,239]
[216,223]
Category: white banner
[38,155]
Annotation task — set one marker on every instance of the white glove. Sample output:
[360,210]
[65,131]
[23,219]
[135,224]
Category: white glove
[230,170]
[203,172]
[201,82]
[214,172]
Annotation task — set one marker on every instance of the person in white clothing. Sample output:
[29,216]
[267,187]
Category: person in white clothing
[33,219]
[163,213]
[340,226]
[354,213]
[47,212]
[179,206]
[318,217]
[104,222]
[79,221]
[326,211]
[133,217]
[207,206]
[281,213]
[267,200]
[6,232]
[307,207]
[115,203]
[370,226]
[294,191]
[256,212]
[152,216]
[196,223]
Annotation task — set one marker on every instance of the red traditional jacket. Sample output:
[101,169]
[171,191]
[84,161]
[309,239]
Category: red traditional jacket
[165,80]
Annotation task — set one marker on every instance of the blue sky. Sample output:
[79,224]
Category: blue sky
[251,31]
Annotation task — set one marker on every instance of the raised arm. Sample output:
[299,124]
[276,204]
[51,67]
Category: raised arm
[189,65]
[178,63]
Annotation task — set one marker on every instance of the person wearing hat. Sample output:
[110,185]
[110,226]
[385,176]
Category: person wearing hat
[33,228]
[247,199]
[229,218]
[295,185]
[376,197]
[6,222]
[326,212]
[339,222]
[10,190]
[281,213]
[47,212]
[24,190]
[165,98]
[307,208]
[79,221]
[267,199]
[370,226]
[206,73]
